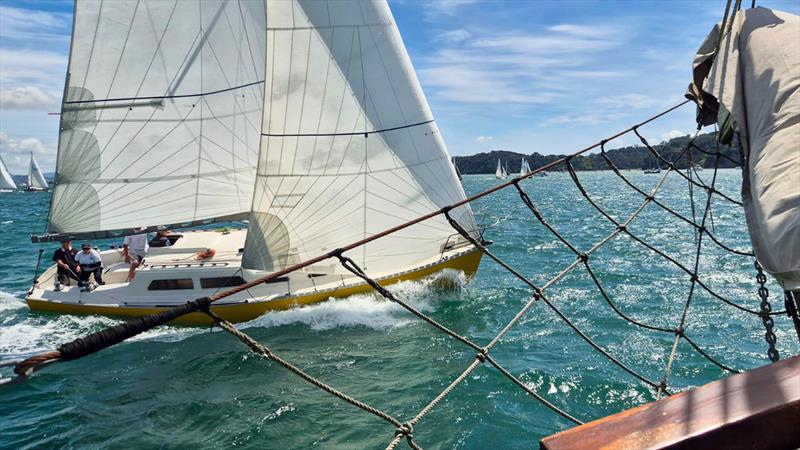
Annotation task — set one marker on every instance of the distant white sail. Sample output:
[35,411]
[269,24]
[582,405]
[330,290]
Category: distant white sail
[505,173]
[524,168]
[35,177]
[6,181]
[160,122]
[499,172]
[349,145]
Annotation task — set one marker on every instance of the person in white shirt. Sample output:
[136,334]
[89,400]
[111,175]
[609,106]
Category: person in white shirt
[90,263]
[134,249]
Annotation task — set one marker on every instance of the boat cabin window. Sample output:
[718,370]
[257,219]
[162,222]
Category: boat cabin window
[171,284]
[221,282]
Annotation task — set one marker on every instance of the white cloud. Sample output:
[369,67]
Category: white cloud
[28,97]
[672,134]
[454,36]
[445,7]
[32,25]
[17,153]
[24,67]
[482,139]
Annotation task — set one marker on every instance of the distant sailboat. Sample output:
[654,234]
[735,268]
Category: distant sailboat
[500,173]
[524,168]
[455,166]
[6,182]
[36,180]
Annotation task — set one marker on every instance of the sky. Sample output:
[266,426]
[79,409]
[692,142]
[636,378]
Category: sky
[525,76]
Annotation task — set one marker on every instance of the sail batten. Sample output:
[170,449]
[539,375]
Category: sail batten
[349,146]
[161,116]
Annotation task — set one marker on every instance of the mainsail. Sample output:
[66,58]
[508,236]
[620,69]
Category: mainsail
[35,177]
[499,172]
[349,146]
[524,168]
[6,182]
[160,121]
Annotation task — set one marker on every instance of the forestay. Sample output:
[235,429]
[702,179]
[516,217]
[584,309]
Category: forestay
[349,145]
[161,114]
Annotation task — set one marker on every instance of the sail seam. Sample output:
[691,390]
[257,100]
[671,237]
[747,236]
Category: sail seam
[166,97]
[356,133]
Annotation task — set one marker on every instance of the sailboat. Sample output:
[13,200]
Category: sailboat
[305,118]
[500,173]
[36,180]
[458,172]
[524,168]
[6,181]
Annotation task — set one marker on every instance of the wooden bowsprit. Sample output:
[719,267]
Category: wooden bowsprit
[759,409]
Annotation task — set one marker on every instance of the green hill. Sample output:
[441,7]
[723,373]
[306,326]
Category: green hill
[634,157]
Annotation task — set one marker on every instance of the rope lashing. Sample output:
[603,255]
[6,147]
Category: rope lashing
[110,336]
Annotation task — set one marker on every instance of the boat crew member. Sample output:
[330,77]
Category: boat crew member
[66,266]
[90,263]
[134,249]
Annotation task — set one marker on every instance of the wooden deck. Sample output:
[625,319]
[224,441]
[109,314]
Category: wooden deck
[759,409]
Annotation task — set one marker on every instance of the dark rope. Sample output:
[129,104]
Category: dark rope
[540,295]
[671,165]
[483,353]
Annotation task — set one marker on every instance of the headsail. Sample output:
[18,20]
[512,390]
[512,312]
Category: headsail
[6,181]
[35,176]
[349,145]
[161,115]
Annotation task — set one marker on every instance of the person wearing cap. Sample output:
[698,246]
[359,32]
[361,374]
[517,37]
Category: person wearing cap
[90,263]
[134,249]
[66,266]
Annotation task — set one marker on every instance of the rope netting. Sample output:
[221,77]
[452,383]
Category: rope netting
[583,258]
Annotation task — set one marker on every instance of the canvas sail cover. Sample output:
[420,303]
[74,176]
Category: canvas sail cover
[349,146]
[35,176]
[751,86]
[6,182]
[160,122]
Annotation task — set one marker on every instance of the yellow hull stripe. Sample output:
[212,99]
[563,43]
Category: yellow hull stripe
[242,312]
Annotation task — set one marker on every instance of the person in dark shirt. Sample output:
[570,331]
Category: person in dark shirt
[68,268]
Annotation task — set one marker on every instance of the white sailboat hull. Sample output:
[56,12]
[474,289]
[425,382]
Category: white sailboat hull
[312,284]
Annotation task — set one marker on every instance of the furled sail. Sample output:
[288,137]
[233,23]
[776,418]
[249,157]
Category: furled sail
[35,176]
[161,115]
[349,145]
[747,78]
[6,182]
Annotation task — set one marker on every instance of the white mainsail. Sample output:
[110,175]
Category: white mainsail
[36,179]
[6,181]
[499,172]
[160,121]
[349,147]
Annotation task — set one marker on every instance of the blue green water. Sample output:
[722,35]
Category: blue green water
[181,387]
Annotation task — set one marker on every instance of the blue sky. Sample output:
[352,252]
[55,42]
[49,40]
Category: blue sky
[527,76]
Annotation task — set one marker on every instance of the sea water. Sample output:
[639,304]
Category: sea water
[201,388]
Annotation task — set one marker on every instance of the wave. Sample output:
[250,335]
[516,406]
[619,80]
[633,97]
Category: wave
[365,310]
